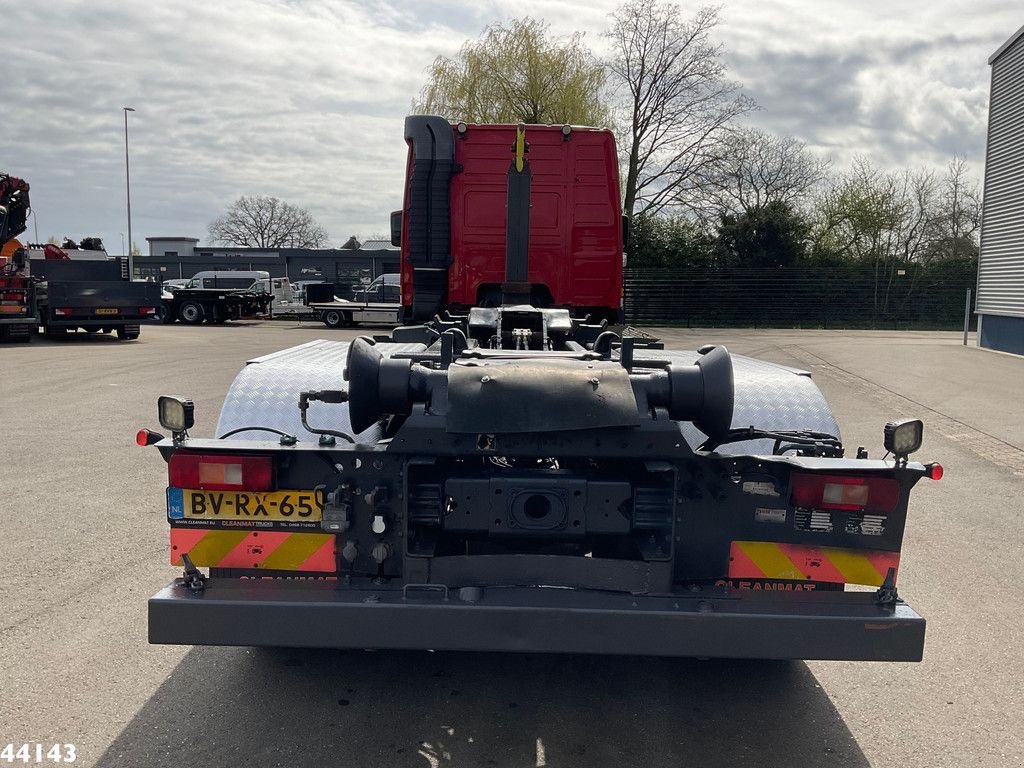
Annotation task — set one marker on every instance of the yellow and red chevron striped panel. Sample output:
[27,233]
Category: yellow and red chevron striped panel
[772,560]
[266,550]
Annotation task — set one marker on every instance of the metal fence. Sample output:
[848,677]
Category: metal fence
[816,296]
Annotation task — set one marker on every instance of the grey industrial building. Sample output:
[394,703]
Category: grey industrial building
[1000,300]
[182,257]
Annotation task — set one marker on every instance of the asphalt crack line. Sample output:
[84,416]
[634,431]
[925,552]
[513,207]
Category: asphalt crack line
[981,443]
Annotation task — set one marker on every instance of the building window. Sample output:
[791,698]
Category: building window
[170,254]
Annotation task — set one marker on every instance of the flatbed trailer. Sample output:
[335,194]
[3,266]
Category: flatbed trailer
[194,306]
[338,314]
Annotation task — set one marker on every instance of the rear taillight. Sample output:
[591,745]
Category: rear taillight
[876,494]
[147,310]
[12,296]
[62,311]
[221,473]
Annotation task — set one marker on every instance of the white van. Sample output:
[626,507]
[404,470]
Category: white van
[226,278]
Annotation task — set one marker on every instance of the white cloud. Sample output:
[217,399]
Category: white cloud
[304,99]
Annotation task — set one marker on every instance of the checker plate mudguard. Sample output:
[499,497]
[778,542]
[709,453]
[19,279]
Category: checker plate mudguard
[266,393]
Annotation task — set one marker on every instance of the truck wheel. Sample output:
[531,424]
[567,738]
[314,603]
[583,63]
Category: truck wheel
[128,332]
[191,312]
[335,318]
[219,315]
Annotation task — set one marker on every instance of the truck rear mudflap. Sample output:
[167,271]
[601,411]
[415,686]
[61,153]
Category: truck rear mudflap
[850,626]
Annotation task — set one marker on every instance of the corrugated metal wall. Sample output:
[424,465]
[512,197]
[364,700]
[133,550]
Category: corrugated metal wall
[1001,268]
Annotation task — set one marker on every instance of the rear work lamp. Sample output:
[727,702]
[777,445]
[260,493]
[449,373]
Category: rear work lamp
[175,413]
[901,438]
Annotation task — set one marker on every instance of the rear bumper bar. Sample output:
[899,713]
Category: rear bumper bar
[783,625]
[112,321]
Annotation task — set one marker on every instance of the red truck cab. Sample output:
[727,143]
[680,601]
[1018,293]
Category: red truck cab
[453,223]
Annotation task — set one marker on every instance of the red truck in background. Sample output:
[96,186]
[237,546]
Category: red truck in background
[453,224]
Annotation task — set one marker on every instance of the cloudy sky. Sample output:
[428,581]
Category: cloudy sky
[304,99]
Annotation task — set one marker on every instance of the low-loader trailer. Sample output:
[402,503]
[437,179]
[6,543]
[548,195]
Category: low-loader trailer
[516,478]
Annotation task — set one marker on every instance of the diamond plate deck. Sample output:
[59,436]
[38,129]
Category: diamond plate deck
[266,392]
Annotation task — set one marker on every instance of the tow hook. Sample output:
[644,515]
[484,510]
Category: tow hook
[886,594]
[192,579]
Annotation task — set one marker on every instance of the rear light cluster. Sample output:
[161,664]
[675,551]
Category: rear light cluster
[145,311]
[843,492]
[62,311]
[220,473]
[12,302]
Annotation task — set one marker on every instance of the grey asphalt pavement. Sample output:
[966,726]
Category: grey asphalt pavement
[83,543]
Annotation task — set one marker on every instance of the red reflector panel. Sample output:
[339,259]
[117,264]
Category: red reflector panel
[935,471]
[771,560]
[218,472]
[267,550]
[877,494]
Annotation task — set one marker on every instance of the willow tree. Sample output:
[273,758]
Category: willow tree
[518,73]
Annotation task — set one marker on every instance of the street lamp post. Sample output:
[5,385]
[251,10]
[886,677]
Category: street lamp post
[128,190]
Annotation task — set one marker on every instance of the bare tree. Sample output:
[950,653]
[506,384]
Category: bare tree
[757,169]
[266,222]
[960,216]
[679,104]
[889,220]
